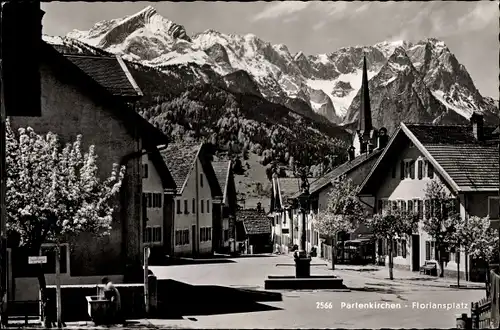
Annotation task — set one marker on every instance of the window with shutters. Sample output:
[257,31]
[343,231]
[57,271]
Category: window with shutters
[178,206]
[150,200]
[420,209]
[193,206]
[427,209]
[153,234]
[394,206]
[386,206]
[420,170]
[429,170]
[411,207]
[186,211]
[494,207]
[202,208]
[408,167]
[208,206]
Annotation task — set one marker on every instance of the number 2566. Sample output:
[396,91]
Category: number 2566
[324,305]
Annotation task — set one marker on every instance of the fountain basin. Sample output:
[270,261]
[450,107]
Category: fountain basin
[313,282]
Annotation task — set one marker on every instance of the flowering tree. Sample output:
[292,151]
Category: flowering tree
[54,193]
[480,240]
[343,212]
[390,224]
[441,218]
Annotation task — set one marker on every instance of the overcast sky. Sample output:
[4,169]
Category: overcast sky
[470,29]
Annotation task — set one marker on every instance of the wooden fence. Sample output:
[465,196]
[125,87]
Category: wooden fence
[481,314]
[485,313]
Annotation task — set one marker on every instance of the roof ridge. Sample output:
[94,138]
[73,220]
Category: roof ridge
[90,56]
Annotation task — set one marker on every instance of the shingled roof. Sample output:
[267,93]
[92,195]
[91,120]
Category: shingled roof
[340,170]
[110,72]
[222,170]
[67,71]
[465,163]
[282,190]
[255,221]
[180,158]
[447,134]
[471,164]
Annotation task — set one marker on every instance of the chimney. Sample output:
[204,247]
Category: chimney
[350,153]
[259,206]
[382,138]
[477,126]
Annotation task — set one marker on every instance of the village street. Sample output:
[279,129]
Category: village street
[300,309]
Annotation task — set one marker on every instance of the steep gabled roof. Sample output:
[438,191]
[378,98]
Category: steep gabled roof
[181,159]
[167,180]
[282,190]
[255,221]
[222,171]
[345,168]
[470,164]
[463,162]
[110,72]
[69,73]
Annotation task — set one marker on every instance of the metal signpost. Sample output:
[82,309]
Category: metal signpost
[147,252]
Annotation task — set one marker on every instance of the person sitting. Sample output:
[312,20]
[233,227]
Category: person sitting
[112,294]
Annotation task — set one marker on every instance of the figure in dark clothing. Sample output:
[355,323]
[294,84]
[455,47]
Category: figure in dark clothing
[112,294]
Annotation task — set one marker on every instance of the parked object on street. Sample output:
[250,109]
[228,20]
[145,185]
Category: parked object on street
[429,268]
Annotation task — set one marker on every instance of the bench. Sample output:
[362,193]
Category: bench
[27,309]
[429,268]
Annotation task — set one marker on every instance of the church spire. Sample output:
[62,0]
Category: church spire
[365,112]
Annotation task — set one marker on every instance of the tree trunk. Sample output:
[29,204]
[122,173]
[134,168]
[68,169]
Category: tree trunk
[43,296]
[458,267]
[58,287]
[441,262]
[35,251]
[334,252]
[391,273]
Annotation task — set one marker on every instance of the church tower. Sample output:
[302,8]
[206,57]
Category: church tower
[365,138]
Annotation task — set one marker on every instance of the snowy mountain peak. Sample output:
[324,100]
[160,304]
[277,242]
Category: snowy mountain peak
[127,32]
[323,83]
[388,47]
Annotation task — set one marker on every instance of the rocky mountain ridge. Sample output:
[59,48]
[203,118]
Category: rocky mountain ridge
[415,82]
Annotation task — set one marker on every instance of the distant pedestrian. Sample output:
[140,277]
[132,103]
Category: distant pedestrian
[112,294]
